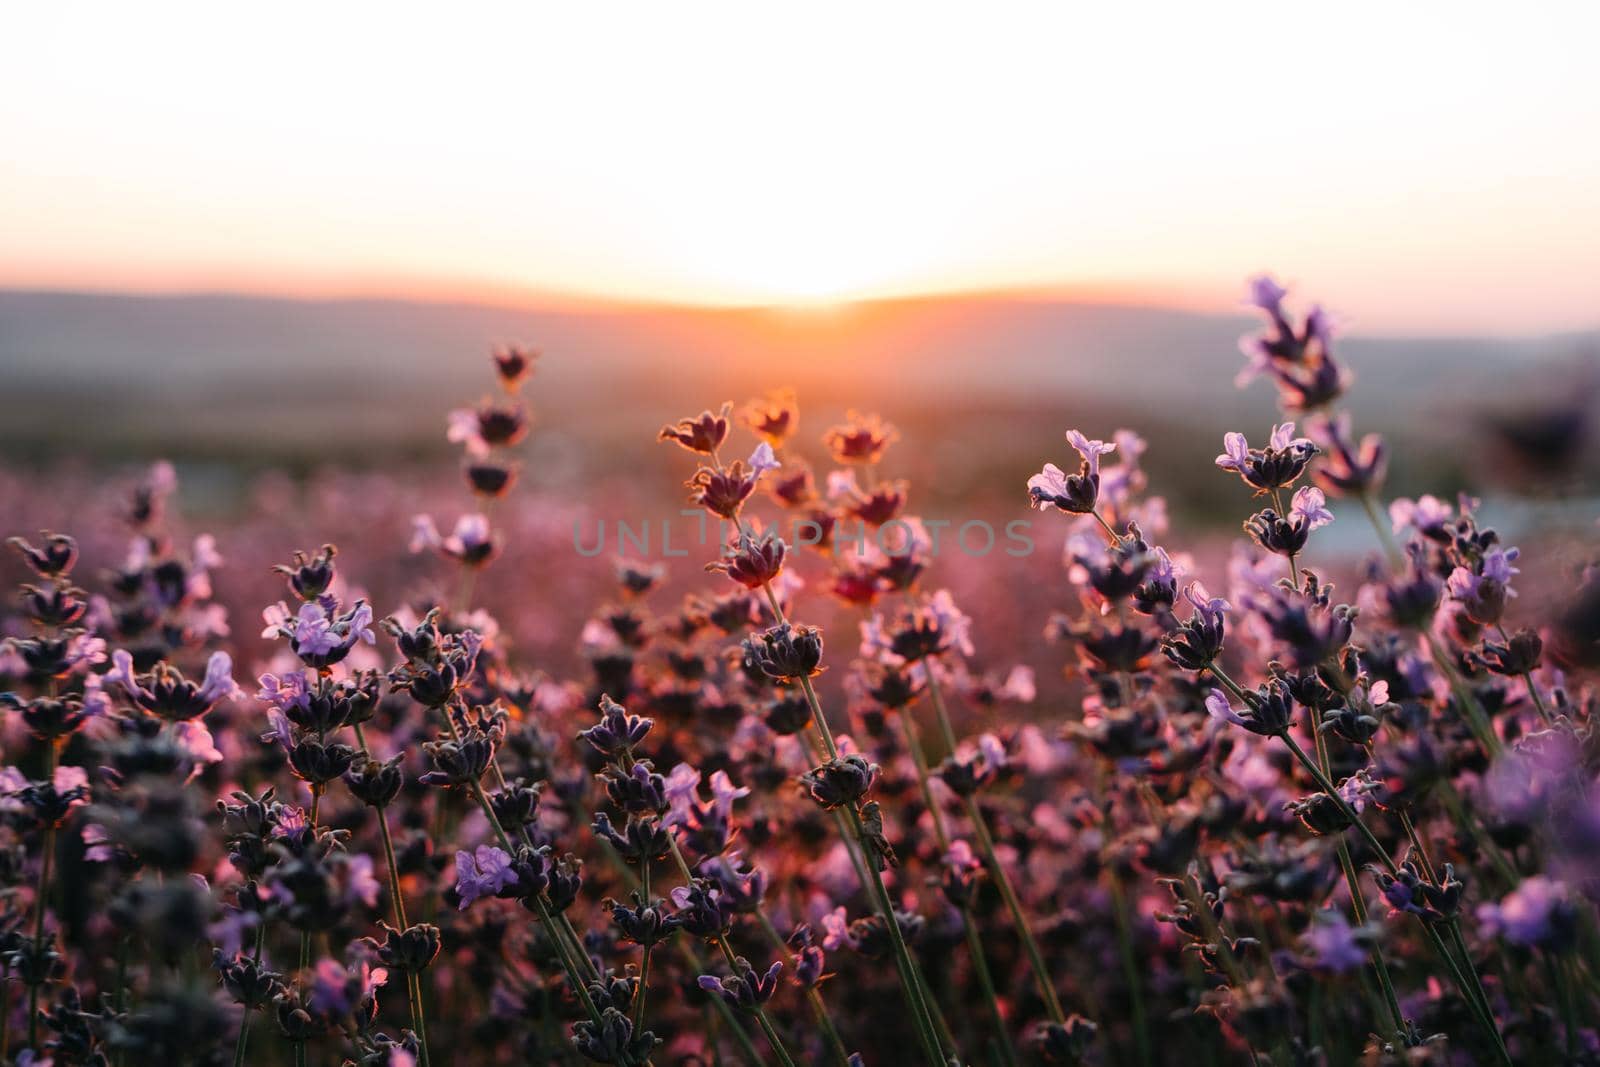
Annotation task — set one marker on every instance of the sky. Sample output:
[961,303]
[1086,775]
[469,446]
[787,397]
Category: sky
[1418,167]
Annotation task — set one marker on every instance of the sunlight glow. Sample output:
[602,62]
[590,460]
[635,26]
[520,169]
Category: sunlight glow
[1431,164]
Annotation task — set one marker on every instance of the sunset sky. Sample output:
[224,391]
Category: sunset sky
[1431,168]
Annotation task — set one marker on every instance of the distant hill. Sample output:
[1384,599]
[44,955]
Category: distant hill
[251,375]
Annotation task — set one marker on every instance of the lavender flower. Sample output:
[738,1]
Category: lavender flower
[486,871]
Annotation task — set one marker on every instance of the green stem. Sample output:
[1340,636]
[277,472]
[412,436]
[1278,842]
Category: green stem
[40,898]
[244,1021]
[644,965]
[911,987]
[1130,967]
[1358,902]
[397,899]
[1002,881]
[980,964]
[1463,984]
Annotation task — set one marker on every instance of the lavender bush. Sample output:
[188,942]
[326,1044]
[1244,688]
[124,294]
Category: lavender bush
[1287,824]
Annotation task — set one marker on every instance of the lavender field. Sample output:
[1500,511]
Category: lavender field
[762,737]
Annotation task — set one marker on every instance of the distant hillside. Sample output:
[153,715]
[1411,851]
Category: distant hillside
[272,376]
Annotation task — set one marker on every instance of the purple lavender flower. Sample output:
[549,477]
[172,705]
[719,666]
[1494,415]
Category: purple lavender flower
[1538,913]
[167,694]
[317,633]
[1428,515]
[1072,493]
[1334,945]
[1268,711]
[745,990]
[483,872]
[1310,506]
[1483,592]
[337,992]
[471,542]
[1274,467]
[1350,467]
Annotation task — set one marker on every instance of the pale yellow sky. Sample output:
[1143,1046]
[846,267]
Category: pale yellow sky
[1419,167]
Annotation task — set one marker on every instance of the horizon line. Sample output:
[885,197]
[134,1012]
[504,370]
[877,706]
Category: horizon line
[502,296]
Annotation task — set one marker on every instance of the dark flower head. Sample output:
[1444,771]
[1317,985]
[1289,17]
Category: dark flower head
[319,634]
[420,644]
[61,605]
[1483,585]
[49,718]
[516,804]
[617,732]
[1063,1043]
[723,490]
[1114,572]
[167,694]
[1312,628]
[890,685]
[775,417]
[487,427]
[644,922]
[640,839]
[703,434]
[249,982]
[310,577]
[753,562]
[934,626]
[638,790]
[1286,535]
[320,762]
[1350,468]
[637,580]
[879,505]
[489,478]
[1408,891]
[1268,711]
[1073,493]
[971,768]
[513,365]
[1358,716]
[787,714]
[54,560]
[461,762]
[703,911]
[612,1039]
[861,440]
[1299,360]
[44,657]
[745,989]
[410,950]
[784,652]
[795,488]
[1195,644]
[1277,466]
[435,682]
[1520,654]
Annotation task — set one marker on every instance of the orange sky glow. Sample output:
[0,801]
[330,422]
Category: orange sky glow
[1422,168]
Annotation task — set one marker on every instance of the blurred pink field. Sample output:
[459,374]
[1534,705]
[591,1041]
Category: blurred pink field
[806,740]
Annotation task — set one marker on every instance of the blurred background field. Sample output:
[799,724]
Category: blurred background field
[294,422]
